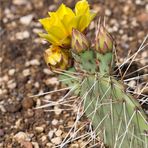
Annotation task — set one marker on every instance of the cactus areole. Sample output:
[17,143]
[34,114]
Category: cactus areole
[116,115]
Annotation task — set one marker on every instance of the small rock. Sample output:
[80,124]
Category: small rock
[132,84]
[47,71]
[34,62]
[22,35]
[58,133]
[17,123]
[57,110]
[2,108]
[49,145]
[75,145]
[26,72]
[50,134]
[27,103]
[48,97]
[54,122]
[35,144]
[1,133]
[43,138]
[11,72]
[56,140]
[26,20]
[52,81]
[21,136]
[11,84]
[108,12]
[39,129]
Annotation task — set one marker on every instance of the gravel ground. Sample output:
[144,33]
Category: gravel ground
[24,73]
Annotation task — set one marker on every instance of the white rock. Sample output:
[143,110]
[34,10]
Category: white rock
[108,12]
[34,62]
[21,136]
[11,72]
[35,144]
[58,133]
[26,72]
[54,122]
[50,134]
[56,140]
[43,138]
[11,84]
[22,35]
[57,110]
[47,71]
[26,20]
[2,108]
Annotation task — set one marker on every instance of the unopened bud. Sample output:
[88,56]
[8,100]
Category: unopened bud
[79,42]
[104,41]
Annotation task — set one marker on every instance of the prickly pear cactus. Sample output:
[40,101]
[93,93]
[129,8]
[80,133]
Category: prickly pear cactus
[116,115]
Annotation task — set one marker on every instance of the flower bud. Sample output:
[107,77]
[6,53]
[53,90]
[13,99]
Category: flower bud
[79,42]
[104,41]
[55,57]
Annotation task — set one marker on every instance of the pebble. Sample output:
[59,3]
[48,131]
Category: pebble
[26,20]
[132,84]
[50,134]
[52,81]
[11,84]
[57,110]
[56,140]
[11,72]
[43,138]
[2,108]
[58,133]
[26,72]
[36,84]
[47,71]
[39,129]
[34,62]
[17,123]
[21,136]
[54,122]
[48,97]
[75,145]
[27,103]
[35,144]
[22,35]
[49,145]
[108,12]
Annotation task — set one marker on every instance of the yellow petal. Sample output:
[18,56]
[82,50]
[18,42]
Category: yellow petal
[50,38]
[82,7]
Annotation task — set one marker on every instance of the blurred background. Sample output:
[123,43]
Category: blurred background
[24,72]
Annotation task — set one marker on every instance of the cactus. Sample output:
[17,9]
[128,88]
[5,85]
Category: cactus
[116,115]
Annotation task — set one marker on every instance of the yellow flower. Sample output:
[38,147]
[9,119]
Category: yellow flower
[55,57]
[59,24]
